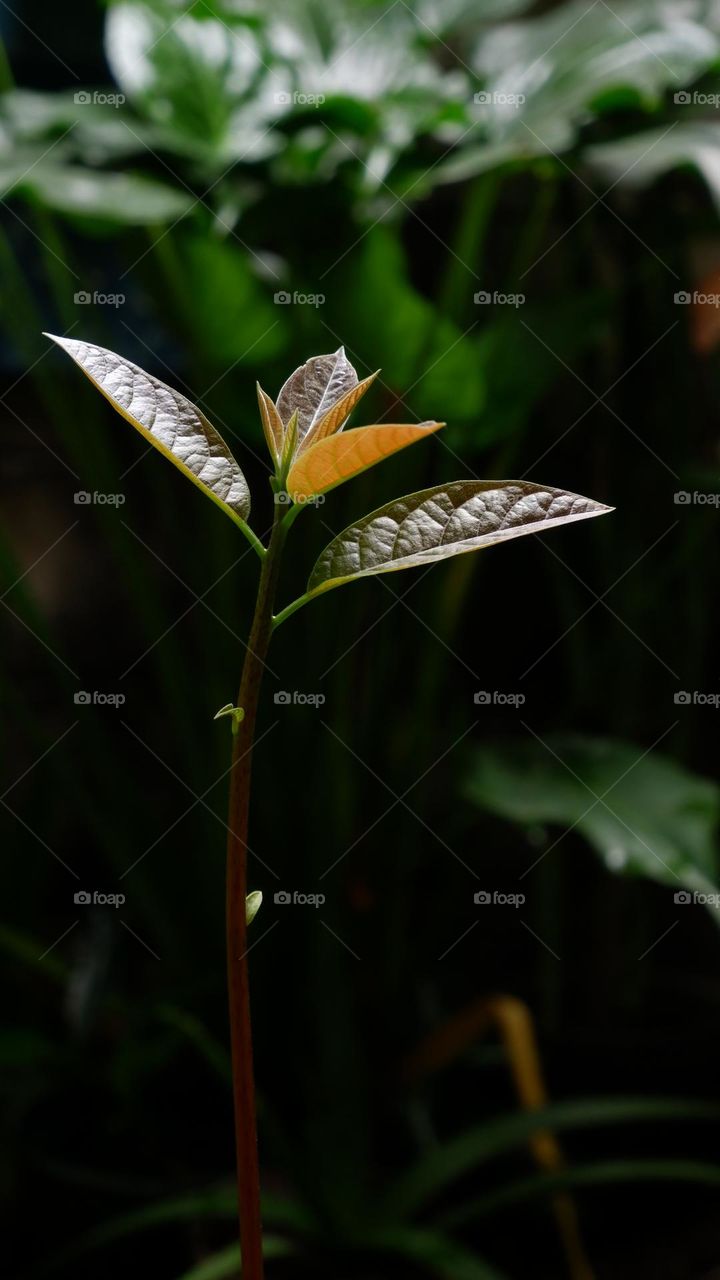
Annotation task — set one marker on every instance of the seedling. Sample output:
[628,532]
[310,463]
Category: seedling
[311,453]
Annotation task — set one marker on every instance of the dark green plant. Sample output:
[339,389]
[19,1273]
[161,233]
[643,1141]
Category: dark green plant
[311,454]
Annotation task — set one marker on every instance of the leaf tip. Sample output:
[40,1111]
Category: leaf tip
[253,903]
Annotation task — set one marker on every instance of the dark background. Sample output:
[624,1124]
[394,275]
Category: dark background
[400,797]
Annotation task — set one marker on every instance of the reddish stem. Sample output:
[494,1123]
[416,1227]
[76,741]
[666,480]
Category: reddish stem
[248,1175]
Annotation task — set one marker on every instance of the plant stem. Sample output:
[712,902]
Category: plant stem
[238,983]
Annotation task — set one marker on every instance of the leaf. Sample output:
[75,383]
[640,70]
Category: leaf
[253,903]
[315,388]
[548,74]
[290,441]
[638,160]
[546,77]
[226,1262]
[434,1172]
[189,76]
[272,423]
[234,322]
[118,198]
[654,818]
[604,1173]
[334,419]
[444,521]
[395,326]
[170,422]
[211,1203]
[432,1251]
[340,457]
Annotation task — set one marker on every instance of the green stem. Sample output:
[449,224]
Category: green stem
[289,609]
[238,980]
[252,538]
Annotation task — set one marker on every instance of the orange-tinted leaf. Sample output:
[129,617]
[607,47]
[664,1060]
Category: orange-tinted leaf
[272,423]
[339,457]
[340,411]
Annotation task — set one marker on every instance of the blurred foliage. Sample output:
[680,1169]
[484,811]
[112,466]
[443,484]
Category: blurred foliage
[221,181]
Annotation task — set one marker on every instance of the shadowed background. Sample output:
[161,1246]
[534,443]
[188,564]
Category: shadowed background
[513,212]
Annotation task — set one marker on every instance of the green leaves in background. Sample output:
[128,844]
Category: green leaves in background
[396,327]
[195,78]
[438,1169]
[300,96]
[545,78]
[226,1262]
[643,814]
[127,199]
[227,308]
[643,157]
[175,426]
[445,521]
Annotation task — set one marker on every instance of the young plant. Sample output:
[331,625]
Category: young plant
[311,454]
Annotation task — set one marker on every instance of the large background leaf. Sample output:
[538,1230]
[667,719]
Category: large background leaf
[652,818]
